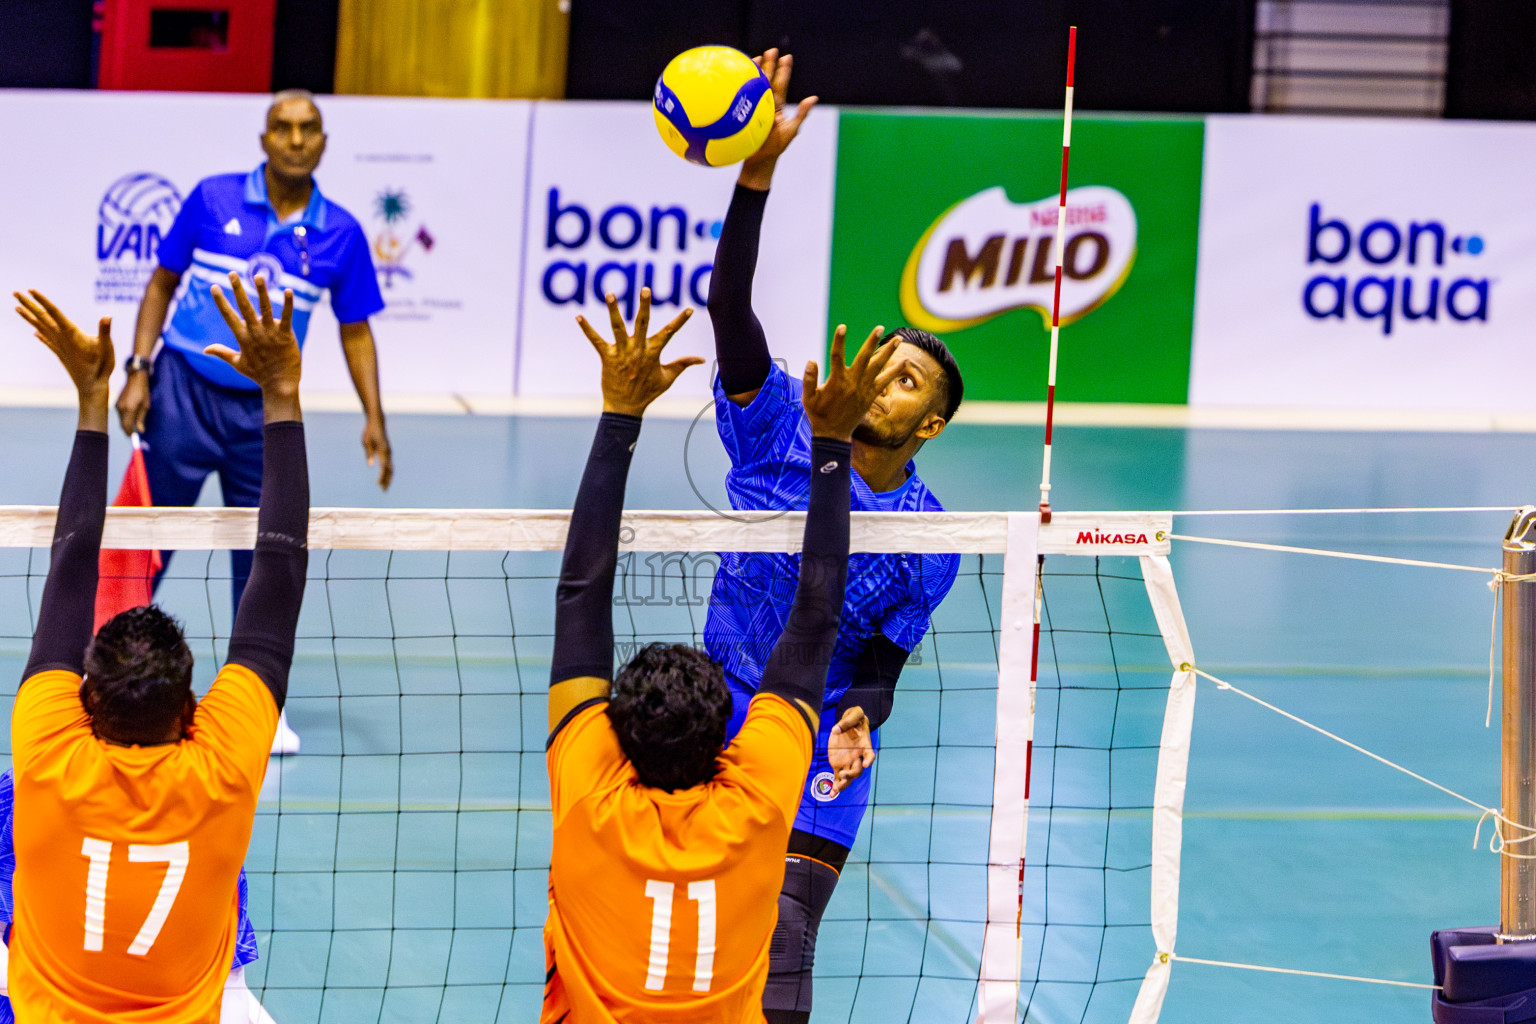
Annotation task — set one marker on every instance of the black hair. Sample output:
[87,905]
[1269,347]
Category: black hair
[138,676]
[670,707]
[954,385]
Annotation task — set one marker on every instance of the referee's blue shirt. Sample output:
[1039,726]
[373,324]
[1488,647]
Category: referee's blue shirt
[227,224]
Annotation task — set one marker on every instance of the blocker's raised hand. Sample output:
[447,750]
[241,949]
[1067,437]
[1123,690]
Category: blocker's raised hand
[633,374]
[837,406]
[88,360]
[269,351]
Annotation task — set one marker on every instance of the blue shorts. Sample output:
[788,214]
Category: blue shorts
[196,428]
[834,817]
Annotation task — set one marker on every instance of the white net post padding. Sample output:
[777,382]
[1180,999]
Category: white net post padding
[998,994]
[1168,797]
[1145,535]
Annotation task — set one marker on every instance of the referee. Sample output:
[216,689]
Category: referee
[196,415]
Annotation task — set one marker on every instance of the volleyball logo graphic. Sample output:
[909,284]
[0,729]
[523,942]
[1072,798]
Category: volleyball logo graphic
[821,787]
[135,213]
[713,106]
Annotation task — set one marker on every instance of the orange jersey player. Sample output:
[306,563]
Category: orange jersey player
[134,801]
[669,845]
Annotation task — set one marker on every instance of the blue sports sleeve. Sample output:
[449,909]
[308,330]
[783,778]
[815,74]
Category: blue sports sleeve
[355,294]
[176,247]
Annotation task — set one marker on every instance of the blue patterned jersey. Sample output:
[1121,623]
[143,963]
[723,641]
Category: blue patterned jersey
[245,941]
[769,442]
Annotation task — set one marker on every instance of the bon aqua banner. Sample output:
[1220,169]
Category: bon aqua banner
[948,222]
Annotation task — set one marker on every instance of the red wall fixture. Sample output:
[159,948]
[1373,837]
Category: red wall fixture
[187,45]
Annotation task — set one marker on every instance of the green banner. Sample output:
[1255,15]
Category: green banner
[948,222]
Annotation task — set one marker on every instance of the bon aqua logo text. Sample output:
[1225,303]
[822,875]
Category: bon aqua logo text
[624,248]
[1406,278]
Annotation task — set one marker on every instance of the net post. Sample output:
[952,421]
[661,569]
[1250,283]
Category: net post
[1517,875]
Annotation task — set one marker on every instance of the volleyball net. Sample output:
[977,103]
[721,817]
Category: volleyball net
[1020,860]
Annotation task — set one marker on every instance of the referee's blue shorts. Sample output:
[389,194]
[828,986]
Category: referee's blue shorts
[822,813]
[195,428]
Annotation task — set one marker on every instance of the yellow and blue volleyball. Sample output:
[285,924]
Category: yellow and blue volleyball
[713,106]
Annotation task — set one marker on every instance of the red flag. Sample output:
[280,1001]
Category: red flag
[126,575]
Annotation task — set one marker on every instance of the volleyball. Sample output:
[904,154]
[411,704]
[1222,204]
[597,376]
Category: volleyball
[713,106]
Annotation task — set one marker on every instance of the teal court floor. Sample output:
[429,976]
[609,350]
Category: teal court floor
[398,866]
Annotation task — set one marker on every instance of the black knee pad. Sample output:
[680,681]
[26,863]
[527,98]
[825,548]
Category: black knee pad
[808,886]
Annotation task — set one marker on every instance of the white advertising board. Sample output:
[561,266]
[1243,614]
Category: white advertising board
[93,200]
[492,224]
[610,209]
[1369,264]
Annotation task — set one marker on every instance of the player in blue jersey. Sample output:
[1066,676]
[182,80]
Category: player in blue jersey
[890,598]
[198,416]
[240,1004]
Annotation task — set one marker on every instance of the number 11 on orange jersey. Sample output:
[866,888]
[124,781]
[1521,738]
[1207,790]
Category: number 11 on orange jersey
[702,893]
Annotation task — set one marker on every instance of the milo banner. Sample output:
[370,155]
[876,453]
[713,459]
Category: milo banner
[948,223]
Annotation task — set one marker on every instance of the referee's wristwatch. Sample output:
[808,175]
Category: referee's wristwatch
[138,364]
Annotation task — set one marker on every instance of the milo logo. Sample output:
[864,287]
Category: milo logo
[987,255]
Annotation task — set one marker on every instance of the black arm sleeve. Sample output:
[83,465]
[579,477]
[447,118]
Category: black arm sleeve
[584,598]
[68,612]
[741,348]
[874,686]
[797,667]
[262,639]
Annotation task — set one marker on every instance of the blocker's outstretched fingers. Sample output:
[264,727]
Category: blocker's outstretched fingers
[809,378]
[616,320]
[596,339]
[837,361]
[264,300]
[672,327]
[286,324]
[104,356]
[677,366]
[867,351]
[55,318]
[643,314]
[242,300]
[227,311]
[32,313]
[225,353]
[886,370]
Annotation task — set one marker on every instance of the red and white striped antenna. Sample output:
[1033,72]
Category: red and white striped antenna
[1061,233]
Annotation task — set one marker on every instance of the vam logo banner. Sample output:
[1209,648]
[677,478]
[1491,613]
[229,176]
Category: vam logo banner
[987,255]
[133,216]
